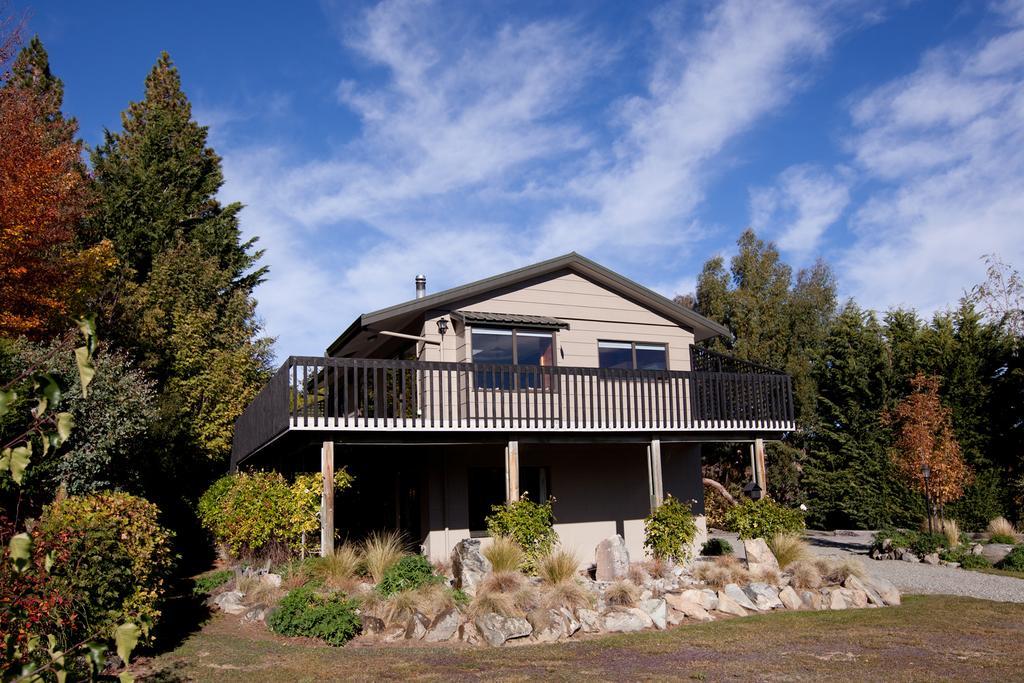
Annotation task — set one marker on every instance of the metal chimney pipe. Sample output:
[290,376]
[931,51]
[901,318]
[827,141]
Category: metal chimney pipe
[421,286]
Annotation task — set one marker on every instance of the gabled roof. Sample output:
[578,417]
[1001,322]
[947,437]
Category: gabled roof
[702,327]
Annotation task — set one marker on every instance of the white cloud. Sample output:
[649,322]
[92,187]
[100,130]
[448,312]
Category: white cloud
[947,144]
[804,203]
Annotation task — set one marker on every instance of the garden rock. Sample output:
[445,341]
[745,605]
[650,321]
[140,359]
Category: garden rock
[759,555]
[811,600]
[931,558]
[256,613]
[590,621]
[373,625]
[469,566]
[612,559]
[708,599]
[272,580]
[394,634]
[951,565]
[977,549]
[908,556]
[855,584]
[675,617]
[838,598]
[468,633]
[444,626]
[626,621]
[995,552]
[657,610]
[417,626]
[790,599]
[570,624]
[727,605]
[888,592]
[230,602]
[689,605]
[548,628]
[736,594]
[497,630]
[856,598]
[765,597]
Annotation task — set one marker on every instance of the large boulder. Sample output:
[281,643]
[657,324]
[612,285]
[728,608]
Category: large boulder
[469,566]
[625,621]
[231,602]
[790,599]
[444,626]
[738,596]
[812,600]
[763,596]
[855,584]
[727,605]
[759,555]
[657,610]
[590,620]
[570,624]
[612,559]
[547,627]
[417,626]
[884,588]
[995,552]
[689,604]
[497,629]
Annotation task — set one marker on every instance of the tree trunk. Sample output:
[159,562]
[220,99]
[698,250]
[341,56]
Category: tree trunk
[721,489]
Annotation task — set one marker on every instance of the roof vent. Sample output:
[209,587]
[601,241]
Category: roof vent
[421,286]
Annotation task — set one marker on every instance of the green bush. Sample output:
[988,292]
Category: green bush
[254,512]
[1013,562]
[122,555]
[669,530]
[919,542]
[529,524]
[1002,538]
[965,558]
[210,581]
[409,573]
[762,519]
[332,619]
[716,546]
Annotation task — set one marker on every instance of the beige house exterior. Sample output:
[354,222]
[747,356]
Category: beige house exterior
[561,380]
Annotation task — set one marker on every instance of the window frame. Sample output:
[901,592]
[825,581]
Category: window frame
[632,347]
[517,385]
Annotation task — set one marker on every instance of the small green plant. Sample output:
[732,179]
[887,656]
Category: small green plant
[713,547]
[409,573]
[1014,561]
[762,519]
[209,582]
[461,597]
[504,554]
[332,619]
[918,542]
[529,524]
[669,530]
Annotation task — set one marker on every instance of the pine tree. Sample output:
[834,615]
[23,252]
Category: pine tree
[31,72]
[158,182]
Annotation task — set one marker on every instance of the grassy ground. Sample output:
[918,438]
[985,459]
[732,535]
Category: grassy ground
[928,638]
[1000,572]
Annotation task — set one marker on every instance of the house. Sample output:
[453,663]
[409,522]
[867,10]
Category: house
[559,379]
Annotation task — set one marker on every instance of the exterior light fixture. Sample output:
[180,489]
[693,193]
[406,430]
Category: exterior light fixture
[753,491]
[442,326]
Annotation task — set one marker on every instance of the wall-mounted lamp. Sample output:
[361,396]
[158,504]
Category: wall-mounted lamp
[442,326]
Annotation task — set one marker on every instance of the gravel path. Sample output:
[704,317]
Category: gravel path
[909,577]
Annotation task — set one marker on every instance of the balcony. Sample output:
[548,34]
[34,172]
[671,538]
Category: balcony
[356,395]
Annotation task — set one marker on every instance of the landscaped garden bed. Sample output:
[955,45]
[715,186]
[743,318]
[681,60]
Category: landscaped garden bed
[1000,547]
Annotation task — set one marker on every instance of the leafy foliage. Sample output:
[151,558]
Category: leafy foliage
[716,546]
[669,530]
[209,582]
[332,619]
[409,573]
[920,542]
[762,519]
[252,512]
[122,555]
[1014,561]
[529,524]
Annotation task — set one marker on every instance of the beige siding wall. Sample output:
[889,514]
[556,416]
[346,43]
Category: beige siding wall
[592,312]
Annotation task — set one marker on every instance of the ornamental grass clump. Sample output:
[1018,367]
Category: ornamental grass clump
[947,528]
[622,594]
[339,569]
[788,548]
[1000,530]
[805,575]
[669,530]
[529,524]
[558,566]
[568,594]
[504,554]
[503,582]
[380,552]
[837,571]
[491,602]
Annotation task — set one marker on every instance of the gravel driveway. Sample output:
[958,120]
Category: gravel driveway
[909,577]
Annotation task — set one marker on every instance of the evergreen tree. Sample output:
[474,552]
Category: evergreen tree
[31,72]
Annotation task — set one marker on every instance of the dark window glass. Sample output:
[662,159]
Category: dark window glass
[487,489]
[534,348]
[615,355]
[512,347]
[651,357]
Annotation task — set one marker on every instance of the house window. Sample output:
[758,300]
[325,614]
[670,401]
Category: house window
[512,346]
[487,489]
[632,355]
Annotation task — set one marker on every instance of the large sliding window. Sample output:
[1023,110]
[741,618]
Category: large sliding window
[512,346]
[632,355]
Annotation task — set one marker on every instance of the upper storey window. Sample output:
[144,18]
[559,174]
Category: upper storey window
[512,346]
[632,355]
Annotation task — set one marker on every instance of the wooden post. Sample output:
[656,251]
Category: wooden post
[512,472]
[656,485]
[327,500]
[762,479]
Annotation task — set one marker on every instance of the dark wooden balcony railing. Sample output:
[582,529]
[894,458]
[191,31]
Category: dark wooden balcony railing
[368,394]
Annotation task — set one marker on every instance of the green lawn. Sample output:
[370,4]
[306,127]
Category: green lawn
[928,638]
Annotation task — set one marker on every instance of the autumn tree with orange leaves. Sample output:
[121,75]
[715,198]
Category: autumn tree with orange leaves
[924,436]
[46,276]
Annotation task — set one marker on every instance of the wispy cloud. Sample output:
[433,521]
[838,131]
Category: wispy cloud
[797,211]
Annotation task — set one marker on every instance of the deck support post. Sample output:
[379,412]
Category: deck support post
[512,472]
[327,499]
[655,484]
[759,469]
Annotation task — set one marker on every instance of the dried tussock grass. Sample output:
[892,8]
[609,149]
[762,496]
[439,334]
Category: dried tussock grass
[723,570]
[1001,527]
[789,548]
[558,566]
[258,592]
[622,594]
[339,570]
[487,602]
[380,552]
[568,594]
[399,606]
[947,527]
[805,575]
[503,582]
[526,599]
[767,575]
[659,568]
[638,574]
[504,554]
[836,571]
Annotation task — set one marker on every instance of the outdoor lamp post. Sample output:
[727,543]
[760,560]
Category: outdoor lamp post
[442,326]
[926,472]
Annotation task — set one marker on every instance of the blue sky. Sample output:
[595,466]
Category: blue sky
[373,141]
